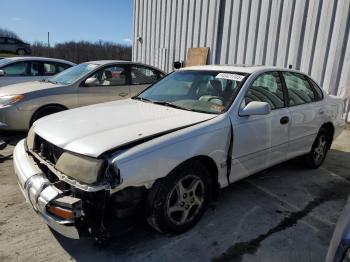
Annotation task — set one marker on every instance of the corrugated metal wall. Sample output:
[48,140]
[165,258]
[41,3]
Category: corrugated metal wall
[311,35]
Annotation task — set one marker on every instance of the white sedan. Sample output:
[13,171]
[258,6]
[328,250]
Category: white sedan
[168,151]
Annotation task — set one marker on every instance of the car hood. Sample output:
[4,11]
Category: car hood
[95,129]
[26,87]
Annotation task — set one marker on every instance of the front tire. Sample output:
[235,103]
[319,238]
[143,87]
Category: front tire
[319,150]
[177,202]
[45,111]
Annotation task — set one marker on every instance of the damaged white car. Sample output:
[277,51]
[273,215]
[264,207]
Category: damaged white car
[168,151]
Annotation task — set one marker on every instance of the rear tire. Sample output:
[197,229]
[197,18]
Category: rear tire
[21,52]
[177,202]
[319,149]
[45,111]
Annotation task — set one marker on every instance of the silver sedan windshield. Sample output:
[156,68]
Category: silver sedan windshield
[201,91]
[73,74]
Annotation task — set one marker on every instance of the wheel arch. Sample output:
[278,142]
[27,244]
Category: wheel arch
[43,107]
[208,163]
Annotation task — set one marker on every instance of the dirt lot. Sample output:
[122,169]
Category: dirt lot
[286,213]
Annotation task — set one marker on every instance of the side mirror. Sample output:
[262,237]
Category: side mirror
[177,64]
[255,108]
[2,72]
[91,81]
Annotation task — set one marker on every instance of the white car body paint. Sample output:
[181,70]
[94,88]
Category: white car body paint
[258,141]
[146,141]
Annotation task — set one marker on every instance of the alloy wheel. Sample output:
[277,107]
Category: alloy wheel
[320,149]
[185,200]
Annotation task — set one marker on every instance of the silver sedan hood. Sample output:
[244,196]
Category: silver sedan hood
[95,129]
[26,87]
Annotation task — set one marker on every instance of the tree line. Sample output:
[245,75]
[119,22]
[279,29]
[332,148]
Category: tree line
[8,33]
[83,51]
[78,52]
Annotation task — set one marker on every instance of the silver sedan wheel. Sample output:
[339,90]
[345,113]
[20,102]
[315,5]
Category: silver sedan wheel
[320,149]
[185,200]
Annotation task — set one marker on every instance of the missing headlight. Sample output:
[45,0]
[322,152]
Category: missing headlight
[112,175]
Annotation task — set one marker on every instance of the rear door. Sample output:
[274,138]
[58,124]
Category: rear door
[261,140]
[306,113]
[112,83]
[142,77]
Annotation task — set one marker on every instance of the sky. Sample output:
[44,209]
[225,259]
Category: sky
[68,20]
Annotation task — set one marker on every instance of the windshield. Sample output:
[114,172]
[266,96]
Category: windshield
[201,91]
[73,74]
[4,61]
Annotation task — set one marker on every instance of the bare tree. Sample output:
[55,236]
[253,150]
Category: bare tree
[78,52]
[8,33]
[83,51]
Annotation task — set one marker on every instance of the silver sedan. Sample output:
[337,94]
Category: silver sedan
[14,70]
[85,84]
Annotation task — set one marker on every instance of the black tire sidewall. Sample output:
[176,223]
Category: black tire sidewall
[156,210]
[310,161]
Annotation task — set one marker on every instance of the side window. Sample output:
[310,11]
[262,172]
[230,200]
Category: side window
[11,41]
[267,88]
[142,75]
[35,69]
[317,89]
[61,67]
[2,40]
[111,76]
[49,69]
[16,69]
[299,89]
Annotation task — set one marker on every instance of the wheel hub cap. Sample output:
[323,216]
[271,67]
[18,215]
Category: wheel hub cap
[185,199]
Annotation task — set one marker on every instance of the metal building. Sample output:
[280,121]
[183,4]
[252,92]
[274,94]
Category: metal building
[311,35]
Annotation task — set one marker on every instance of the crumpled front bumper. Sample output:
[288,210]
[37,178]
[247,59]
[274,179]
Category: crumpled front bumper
[38,191]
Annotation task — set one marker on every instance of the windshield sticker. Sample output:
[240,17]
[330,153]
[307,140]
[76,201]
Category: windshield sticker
[228,76]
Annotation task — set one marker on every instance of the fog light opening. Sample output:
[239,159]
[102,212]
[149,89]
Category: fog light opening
[61,212]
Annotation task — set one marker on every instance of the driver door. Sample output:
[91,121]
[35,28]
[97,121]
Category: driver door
[261,141]
[111,83]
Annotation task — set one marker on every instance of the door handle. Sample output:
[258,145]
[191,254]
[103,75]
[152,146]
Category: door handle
[284,120]
[321,112]
[123,94]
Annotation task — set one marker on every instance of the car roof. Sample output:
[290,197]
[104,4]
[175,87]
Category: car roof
[28,58]
[107,62]
[248,69]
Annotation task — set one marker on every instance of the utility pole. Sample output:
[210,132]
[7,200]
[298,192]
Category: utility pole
[48,44]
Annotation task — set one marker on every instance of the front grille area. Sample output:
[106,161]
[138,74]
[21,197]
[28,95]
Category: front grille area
[46,150]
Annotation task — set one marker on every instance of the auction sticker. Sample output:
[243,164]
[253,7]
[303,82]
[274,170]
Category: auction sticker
[229,76]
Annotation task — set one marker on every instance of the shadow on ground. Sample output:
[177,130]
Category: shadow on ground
[11,138]
[257,213]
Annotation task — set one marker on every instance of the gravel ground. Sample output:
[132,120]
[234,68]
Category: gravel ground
[286,213]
